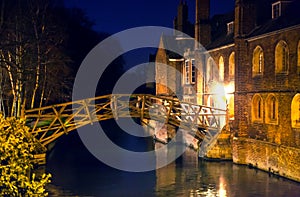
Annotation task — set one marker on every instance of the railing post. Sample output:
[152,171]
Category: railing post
[114,104]
[143,107]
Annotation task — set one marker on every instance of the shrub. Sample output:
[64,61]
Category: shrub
[17,149]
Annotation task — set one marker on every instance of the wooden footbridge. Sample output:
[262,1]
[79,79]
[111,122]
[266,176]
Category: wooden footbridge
[50,122]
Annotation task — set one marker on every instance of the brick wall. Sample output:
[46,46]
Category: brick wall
[282,86]
[277,159]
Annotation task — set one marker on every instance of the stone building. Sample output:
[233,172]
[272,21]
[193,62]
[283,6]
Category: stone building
[254,53]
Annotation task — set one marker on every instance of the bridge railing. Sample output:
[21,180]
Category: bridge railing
[50,122]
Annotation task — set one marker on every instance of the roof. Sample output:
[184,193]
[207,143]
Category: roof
[219,36]
[175,44]
[290,17]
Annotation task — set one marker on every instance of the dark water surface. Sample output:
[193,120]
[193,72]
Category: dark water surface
[77,173]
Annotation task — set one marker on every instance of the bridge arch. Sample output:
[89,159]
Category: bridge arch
[50,122]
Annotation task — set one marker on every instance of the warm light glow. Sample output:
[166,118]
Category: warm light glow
[229,88]
[222,187]
[218,90]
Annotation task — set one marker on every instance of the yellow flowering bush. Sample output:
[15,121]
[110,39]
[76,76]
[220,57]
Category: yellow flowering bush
[17,149]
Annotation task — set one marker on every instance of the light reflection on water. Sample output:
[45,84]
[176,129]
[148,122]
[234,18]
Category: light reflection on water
[76,173]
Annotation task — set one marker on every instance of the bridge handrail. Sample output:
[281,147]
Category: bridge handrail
[50,122]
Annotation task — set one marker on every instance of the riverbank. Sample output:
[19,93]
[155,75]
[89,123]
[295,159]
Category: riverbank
[273,158]
[276,159]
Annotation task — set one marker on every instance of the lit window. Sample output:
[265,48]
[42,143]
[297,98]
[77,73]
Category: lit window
[276,9]
[271,109]
[231,66]
[257,108]
[230,27]
[281,57]
[295,113]
[187,72]
[193,78]
[257,61]
[221,68]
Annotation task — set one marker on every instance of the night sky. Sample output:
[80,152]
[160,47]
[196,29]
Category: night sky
[112,16]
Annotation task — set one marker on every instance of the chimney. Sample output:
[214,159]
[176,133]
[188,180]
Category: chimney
[181,21]
[245,17]
[202,23]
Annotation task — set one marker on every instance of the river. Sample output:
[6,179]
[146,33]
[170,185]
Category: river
[75,172]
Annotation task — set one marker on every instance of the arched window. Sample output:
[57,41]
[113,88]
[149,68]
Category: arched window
[221,68]
[210,70]
[271,109]
[295,113]
[257,61]
[281,57]
[231,65]
[257,108]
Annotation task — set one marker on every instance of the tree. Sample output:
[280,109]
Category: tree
[17,149]
[42,45]
[32,57]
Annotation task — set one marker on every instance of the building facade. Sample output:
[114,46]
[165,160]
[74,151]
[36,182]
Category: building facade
[254,53]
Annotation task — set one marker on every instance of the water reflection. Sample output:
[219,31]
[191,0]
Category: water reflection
[77,173]
[222,186]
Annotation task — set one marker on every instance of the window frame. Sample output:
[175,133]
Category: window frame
[278,10]
[230,27]
[271,110]
[258,61]
[257,109]
[295,111]
[193,71]
[281,58]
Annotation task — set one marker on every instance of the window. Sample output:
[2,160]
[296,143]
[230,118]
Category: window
[210,70]
[193,78]
[257,61]
[271,109]
[281,57]
[221,68]
[295,113]
[257,108]
[231,66]
[187,72]
[230,27]
[276,10]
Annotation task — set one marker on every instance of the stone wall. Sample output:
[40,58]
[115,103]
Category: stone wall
[221,149]
[274,158]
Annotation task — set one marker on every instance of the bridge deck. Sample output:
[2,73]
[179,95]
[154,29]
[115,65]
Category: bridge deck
[50,122]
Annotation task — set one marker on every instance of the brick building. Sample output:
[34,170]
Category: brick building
[254,52]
